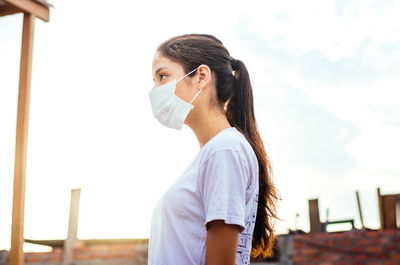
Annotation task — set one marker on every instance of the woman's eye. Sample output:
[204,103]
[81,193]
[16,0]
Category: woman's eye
[162,77]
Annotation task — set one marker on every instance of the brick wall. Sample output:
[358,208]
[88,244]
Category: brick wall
[348,248]
[335,248]
[99,254]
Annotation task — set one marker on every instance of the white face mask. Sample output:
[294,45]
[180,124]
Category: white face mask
[170,110]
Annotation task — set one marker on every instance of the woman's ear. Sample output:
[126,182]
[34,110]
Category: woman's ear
[205,77]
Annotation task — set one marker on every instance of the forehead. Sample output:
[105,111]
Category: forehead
[160,61]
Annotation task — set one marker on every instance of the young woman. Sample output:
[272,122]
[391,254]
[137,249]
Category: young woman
[220,210]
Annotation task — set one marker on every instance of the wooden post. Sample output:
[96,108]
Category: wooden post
[315,223]
[389,211]
[397,210]
[359,209]
[72,227]
[380,207]
[17,233]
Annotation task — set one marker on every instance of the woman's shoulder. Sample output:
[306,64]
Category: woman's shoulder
[229,140]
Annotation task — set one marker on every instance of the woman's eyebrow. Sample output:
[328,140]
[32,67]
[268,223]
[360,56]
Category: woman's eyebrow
[158,70]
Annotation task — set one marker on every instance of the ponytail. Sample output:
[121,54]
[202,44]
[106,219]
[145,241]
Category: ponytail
[240,107]
[240,113]
[191,50]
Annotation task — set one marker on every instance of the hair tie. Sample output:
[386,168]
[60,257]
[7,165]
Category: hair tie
[234,64]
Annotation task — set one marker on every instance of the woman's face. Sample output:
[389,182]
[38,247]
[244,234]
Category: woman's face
[164,70]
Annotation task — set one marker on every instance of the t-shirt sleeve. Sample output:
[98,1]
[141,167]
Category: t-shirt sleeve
[223,182]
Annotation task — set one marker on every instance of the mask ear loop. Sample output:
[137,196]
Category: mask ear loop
[198,92]
[186,75]
[195,96]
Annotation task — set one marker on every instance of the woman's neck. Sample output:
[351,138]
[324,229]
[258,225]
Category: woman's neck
[209,126]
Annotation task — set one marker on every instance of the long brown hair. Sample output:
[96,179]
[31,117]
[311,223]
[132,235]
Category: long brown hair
[235,90]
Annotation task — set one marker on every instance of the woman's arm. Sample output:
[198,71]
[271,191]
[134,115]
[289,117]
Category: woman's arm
[222,241]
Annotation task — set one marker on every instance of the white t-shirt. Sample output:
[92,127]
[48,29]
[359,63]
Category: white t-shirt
[221,183]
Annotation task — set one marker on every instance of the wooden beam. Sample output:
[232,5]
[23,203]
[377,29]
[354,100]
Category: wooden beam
[8,9]
[58,243]
[73,227]
[17,233]
[32,7]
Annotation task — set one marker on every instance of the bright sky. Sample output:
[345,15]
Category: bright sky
[326,78]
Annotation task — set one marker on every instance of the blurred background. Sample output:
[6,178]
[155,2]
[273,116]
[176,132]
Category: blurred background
[325,75]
